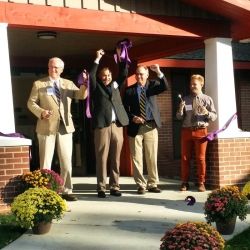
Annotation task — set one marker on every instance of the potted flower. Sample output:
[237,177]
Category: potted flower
[192,235]
[246,190]
[38,206]
[43,178]
[223,205]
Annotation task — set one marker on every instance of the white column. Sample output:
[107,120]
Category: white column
[220,84]
[7,124]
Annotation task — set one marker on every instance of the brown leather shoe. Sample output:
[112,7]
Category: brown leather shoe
[69,197]
[201,187]
[184,186]
[154,190]
[141,190]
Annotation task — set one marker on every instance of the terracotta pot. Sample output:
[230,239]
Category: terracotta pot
[42,227]
[226,227]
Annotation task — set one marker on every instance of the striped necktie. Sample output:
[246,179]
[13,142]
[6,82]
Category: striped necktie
[143,104]
[57,92]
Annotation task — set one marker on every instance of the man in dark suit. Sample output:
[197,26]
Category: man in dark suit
[109,117]
[144,119]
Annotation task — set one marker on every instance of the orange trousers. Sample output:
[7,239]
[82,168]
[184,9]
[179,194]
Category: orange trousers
[192,141]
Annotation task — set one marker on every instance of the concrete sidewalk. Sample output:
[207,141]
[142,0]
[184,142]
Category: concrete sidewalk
[130,222]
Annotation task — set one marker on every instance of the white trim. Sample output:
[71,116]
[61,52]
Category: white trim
[14,141]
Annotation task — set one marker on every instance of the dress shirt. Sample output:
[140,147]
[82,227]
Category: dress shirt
[191,117]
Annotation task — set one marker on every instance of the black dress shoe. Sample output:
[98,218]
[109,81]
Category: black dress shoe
[101,194]
[154,190]
[141,190]
[69,197]
[115,192]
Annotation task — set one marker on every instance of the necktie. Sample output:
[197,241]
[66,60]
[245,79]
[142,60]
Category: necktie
[143,104]
[57,92]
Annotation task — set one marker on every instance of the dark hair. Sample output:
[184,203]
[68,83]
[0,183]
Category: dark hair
[102,71]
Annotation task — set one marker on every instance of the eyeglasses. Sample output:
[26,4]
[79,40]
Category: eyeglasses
[54,67]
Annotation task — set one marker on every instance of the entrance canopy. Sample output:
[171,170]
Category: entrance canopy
[81,31]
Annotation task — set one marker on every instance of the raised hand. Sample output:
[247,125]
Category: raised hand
[100,53]
[155,68]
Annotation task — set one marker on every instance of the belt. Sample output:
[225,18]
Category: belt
[197,128]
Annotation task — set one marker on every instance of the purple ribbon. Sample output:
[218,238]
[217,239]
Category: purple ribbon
[82,81]
[211,136]
[12,135]
[124,45]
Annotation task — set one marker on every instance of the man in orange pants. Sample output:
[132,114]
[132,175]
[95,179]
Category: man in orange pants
[195,110]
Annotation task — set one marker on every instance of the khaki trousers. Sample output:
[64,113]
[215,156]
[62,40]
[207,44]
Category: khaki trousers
[64,145]
[108,145]
[145,141]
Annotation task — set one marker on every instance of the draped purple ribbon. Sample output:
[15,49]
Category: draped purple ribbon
[124,45]
[212,135]
[12,135]
[80,82]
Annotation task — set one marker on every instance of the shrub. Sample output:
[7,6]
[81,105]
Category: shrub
[37,205]
[192,236]
[246,190]
[225,203]
[43,178]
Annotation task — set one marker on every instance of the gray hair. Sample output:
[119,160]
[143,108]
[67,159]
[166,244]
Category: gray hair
[61,62]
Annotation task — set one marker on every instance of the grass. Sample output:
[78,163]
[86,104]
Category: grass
[9,230]
[240,241]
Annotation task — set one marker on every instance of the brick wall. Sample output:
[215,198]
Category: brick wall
[228,162]
[14,161]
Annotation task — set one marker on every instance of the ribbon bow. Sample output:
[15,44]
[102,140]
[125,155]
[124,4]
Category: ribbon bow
[124,45]
[212,135]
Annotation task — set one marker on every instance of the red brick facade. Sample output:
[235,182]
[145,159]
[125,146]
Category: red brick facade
[14,161]
[228,162]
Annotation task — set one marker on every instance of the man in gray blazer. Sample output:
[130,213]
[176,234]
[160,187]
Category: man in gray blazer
[144,119]
[109,117]
[50,101]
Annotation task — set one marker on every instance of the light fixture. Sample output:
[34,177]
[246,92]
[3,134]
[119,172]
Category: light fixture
[46,35]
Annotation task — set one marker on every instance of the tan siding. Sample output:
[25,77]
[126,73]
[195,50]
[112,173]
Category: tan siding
[126,6]
[92,5]
[74,4]
[160,7]
[38,2]
[107,6]
[58,3]
[18,1]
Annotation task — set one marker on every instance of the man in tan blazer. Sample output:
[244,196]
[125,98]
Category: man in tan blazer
[50,101]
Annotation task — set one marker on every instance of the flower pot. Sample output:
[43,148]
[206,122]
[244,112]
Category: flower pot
[42,227]
[226,227]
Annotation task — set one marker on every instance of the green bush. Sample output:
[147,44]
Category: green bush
[246,190]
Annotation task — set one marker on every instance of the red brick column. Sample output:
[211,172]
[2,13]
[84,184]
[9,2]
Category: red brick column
[228,162]
[14,161]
